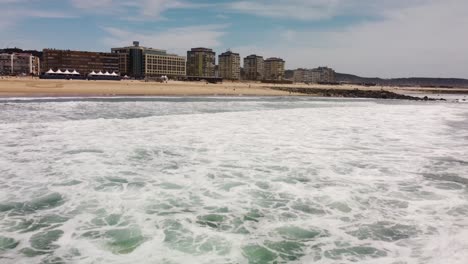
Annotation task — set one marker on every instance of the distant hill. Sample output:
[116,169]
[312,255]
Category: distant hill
[425,82]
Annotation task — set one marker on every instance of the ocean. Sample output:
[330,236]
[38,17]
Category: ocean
[233,180]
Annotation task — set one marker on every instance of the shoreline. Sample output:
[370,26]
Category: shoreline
[9,96]
[27,87]
[69,88]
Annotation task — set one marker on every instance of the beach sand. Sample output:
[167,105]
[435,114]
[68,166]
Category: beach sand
[18,87]
[36,87]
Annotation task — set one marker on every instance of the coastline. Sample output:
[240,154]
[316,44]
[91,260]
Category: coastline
[27,87]
[69,88]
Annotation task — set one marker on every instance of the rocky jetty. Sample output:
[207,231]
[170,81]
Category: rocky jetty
[356,93]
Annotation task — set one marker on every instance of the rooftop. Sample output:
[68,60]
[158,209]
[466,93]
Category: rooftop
[274,59]
[228,53]
[16,54]
[81,51]
[254,56]
[202,49]
[141,48]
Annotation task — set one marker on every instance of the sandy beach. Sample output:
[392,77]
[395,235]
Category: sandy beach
[13,87]
[36,87]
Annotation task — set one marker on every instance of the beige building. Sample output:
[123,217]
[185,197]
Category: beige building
[300,75]
[140,62]
[254,68]
[201,62]
[229,65]
[305,76]
[158,64]
[327,75]
[317,75]
[274,69]
[19,63]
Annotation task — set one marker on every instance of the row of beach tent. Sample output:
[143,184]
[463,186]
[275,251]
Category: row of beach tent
[67,72]
[103,74]
[93,73]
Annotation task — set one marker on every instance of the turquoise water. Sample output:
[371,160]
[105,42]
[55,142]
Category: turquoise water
[233,180]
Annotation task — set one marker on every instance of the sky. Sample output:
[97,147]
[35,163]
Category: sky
[372,38]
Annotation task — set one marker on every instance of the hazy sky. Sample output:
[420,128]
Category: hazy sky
[385,38]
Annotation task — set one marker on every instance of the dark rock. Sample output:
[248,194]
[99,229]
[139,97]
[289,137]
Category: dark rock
[356,93]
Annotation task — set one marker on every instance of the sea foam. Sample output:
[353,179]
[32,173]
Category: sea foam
[233,180]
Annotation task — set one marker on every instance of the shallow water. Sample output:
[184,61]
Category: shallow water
[233,180]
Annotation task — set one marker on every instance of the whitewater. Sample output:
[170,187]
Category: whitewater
[233,180]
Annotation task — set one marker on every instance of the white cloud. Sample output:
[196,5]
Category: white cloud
[146,9]
[15,12]
[91,4]
[11,1]
[15,15]
[297,9]
[425,40]
[222,16]
[310,10]
[177,40]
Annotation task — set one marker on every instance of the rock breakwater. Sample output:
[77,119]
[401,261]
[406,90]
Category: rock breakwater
[355,93]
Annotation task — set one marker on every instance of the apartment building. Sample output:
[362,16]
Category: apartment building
[254,68]
[140,62]
[317,75]
[229,65]
[274,69]
[201,62]
[327,75]
[83,62]
[19,63]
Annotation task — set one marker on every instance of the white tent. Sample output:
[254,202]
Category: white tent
[59,71]
[67,71]
[92,73]
[114,74]
[107,74]
[50,72]
[100,73]
[75,72]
